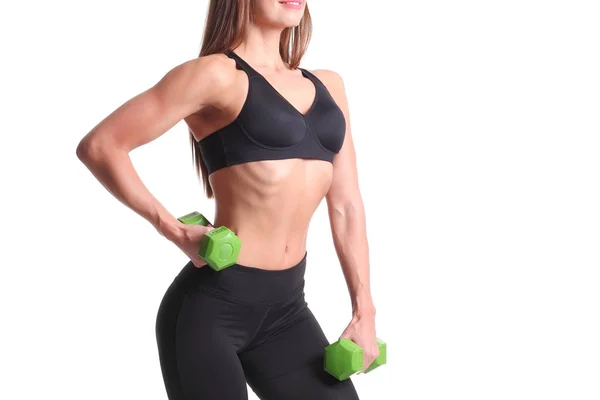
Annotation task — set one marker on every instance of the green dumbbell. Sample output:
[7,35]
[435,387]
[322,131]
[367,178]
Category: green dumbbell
[344,358]
[219,247]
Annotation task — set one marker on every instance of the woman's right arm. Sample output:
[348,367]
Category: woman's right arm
[184,90]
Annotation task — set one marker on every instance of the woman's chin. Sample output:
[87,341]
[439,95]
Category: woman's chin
[291,24]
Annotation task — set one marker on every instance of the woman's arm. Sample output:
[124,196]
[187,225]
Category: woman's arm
[346,210]
[184,90]
[347,219]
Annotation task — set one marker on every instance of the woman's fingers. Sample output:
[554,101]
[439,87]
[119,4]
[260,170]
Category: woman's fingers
[199,262]
[368,344]
[370,354]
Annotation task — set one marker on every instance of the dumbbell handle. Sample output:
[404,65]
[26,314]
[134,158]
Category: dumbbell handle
[194,218]
[219,247]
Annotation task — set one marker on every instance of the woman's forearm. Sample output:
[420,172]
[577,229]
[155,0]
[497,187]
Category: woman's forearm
[350,240]
[114,170]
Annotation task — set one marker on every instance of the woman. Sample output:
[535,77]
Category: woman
[271,140]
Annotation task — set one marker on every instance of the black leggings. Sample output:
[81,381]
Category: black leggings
[217,331]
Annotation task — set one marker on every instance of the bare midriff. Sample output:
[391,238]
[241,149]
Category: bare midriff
[269,205]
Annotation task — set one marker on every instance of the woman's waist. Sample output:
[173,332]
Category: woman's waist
[265,243]
[271,254]
[277,226]
[247,283]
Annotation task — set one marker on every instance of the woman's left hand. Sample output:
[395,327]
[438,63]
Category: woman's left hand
[361,330]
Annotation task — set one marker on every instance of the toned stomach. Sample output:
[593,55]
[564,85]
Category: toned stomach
[269,204]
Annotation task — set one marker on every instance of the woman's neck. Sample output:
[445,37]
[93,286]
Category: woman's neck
[260,47]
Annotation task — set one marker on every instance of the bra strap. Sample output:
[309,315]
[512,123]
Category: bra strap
[312,77]
[242,64]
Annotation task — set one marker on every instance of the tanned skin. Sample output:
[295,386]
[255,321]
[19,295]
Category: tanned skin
[269,204]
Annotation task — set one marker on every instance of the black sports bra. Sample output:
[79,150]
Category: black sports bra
[269,127]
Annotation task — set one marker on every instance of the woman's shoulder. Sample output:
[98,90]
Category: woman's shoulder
[332,80]
[327,74]
[216,68]
[216,65]
[211,75]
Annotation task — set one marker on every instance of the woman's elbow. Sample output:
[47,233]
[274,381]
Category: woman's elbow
[91,149]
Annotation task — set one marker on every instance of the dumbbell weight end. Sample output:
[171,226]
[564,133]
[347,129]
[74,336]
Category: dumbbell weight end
[219,247]
[344,358]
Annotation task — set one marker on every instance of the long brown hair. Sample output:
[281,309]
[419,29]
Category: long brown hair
[225,29]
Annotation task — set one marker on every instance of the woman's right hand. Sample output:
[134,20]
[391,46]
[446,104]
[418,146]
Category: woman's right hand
[188,240]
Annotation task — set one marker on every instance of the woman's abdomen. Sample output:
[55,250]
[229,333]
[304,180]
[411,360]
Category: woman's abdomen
[269,205]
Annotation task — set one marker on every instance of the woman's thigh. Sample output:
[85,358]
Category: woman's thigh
[198,358]
[288,364]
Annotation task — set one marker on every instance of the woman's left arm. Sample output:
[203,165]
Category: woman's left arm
[348,226]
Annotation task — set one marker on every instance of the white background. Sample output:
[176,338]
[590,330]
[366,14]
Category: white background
[477,129]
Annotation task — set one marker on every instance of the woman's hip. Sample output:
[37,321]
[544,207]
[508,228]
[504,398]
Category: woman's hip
[242,283]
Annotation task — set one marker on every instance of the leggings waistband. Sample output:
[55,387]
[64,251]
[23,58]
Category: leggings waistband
[249,284]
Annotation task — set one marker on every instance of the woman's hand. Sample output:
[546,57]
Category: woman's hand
[361,330]
[188,240]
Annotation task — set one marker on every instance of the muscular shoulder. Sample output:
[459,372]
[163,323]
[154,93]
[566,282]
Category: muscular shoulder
[216,70]
[204,80]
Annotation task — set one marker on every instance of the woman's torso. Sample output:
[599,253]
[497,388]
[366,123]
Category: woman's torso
[267,190]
